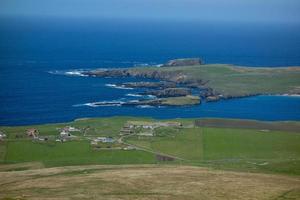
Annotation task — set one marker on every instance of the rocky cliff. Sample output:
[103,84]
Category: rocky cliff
[183,62]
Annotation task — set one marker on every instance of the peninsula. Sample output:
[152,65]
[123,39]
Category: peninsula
[210,82]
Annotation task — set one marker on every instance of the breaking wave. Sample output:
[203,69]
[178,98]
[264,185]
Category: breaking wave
[145,106]
[134,95]
[118,86]
[68,72]
[101,103]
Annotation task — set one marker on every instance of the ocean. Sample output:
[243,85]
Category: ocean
[39,59]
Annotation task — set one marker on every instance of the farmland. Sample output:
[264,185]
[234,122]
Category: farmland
[261,149]
[202,151]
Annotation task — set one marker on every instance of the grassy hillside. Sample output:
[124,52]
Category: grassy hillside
[144,182]
[237,81]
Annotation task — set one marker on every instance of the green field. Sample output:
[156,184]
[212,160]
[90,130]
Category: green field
[228,148]
[254,148]
[71,153]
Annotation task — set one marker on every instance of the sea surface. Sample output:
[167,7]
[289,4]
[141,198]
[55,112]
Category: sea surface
[40,61]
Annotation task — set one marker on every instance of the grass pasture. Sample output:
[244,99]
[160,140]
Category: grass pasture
[229,148]
[71,153]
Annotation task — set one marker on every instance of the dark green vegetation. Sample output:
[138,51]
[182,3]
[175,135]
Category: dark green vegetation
[272,147]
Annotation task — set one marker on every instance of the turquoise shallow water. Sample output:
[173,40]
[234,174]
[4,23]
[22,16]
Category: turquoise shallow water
[34,56]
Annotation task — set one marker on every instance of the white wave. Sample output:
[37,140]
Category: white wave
[79,105]
[151,96]
[56,72]
[75,73]
[134,95]
[101,103]
[118,86]
[68,72]
[145,106]
[134,101]
[291,95]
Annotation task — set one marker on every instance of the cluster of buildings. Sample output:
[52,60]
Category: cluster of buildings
[143,128]
[64,134]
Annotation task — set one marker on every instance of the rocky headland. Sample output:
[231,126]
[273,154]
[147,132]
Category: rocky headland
[183,62]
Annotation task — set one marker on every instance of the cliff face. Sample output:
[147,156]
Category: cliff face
[183,62]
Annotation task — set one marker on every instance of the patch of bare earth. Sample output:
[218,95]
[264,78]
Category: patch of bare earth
[145,182]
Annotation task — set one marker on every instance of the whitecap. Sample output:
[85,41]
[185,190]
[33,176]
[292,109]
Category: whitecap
[134,95]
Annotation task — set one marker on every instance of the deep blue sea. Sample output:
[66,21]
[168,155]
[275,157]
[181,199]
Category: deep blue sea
[36,54]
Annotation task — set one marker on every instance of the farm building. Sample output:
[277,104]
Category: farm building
[153,125]
[32,132]
[104,139]
[94,142]
[70,129]
[42,138]
[64,133]
[129,148]
[127,129]
[2,135]
[149,134]
[171,124]
[148,127]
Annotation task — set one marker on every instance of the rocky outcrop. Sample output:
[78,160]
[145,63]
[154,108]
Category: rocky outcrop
[212,98]
[183,62]
[153,85]
[107,73]
[207,92]
[174,77]
[169,92]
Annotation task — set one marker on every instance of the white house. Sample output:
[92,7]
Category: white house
[64,133]
[2,135]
